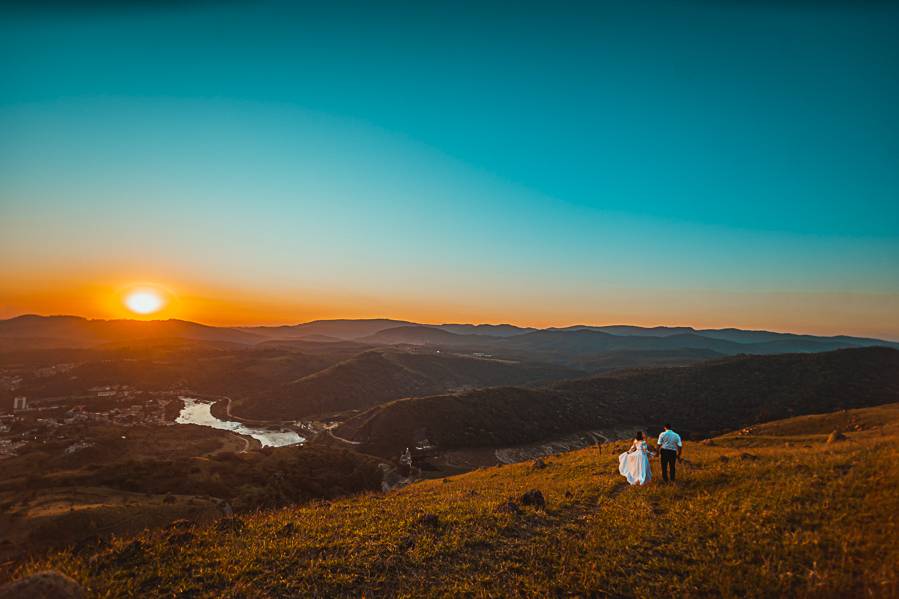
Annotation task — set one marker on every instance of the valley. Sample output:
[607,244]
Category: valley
[141,430]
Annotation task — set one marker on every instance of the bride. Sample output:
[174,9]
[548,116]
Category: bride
[633,464]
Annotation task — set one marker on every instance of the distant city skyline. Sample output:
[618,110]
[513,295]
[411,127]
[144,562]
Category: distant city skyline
[707,164]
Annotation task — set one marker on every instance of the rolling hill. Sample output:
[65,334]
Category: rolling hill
[39,332]
[577,347]
[374,377]
[790,516]
[345,329]
[569,343]
[699,400]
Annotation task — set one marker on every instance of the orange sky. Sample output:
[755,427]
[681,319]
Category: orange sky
[823,313]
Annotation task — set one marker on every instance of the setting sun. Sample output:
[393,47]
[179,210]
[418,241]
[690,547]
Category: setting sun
[144,301]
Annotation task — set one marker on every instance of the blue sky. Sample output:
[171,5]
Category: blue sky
[709,163]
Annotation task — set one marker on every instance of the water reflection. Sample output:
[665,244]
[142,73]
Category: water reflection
[200,412]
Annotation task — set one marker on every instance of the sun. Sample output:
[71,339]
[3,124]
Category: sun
[144,301]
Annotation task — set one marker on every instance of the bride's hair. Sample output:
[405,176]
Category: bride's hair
[639,436]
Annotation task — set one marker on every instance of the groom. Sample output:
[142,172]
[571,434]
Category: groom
[671,447]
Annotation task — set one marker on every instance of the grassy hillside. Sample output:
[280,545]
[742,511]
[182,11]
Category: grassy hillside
[699,400]
[374,377]
[791,516]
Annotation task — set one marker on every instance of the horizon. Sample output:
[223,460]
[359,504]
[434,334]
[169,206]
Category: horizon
[727,166]
[404,321]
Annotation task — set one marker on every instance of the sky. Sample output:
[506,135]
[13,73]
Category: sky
[705,163]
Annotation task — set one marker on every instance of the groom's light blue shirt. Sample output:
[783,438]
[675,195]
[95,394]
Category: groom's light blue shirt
[670,440]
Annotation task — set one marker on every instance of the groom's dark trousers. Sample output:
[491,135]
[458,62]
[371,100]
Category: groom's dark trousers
[669,459]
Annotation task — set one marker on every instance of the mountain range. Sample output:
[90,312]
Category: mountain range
[41,332]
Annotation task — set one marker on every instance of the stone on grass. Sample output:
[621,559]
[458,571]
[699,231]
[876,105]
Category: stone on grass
[534,498]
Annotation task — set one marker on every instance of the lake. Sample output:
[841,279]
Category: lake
[199,412]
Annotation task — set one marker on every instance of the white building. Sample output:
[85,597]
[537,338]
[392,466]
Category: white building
[20,403]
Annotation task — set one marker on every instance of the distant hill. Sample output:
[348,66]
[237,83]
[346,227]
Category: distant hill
[730,334]
[569,346]
[37,332]
[427,335]
[493,330]
[699,400]
[578,347]
[346,329]
[623,359]
[629,330]
[373,377]
[166,367]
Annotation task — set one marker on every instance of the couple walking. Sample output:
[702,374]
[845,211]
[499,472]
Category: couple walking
[633,464]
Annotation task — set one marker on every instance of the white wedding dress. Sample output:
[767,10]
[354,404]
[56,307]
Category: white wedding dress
[633,464]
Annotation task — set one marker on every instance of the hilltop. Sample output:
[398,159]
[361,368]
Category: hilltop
[791,515]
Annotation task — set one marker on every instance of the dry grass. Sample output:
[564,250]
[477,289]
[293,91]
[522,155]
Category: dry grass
[806,520]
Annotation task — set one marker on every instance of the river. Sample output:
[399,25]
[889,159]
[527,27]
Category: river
[199,412]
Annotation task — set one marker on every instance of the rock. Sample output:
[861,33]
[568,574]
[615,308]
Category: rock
[431,520]
[538,464]
[169,498]
[509,507]
[708,443]
[835,436]
[724,458]
[534,498]
[43,585]
[230,525]
[748,457]
[287,530]
[568,494]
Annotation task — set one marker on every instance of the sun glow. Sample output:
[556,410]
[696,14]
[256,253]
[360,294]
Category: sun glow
[144,301]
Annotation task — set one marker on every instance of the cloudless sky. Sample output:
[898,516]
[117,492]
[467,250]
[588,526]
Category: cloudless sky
[700,162]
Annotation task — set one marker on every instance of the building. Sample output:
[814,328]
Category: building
[19,403]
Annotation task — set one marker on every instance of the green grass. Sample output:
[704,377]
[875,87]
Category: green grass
[806,520]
